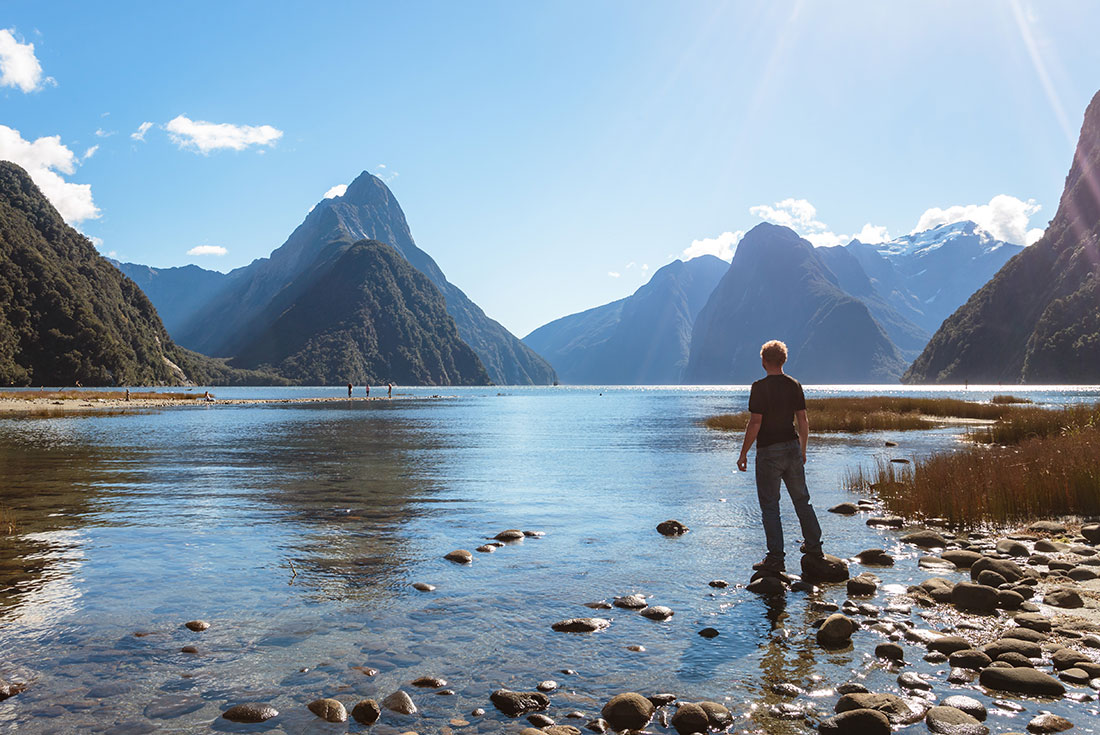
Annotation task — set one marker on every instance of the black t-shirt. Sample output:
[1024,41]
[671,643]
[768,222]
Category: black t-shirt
[776,397]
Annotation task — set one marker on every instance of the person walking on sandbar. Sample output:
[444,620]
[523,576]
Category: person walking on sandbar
[776,404]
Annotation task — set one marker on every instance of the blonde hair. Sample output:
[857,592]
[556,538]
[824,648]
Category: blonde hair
[774,353]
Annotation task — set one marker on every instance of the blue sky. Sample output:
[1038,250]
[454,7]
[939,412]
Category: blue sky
[545,152]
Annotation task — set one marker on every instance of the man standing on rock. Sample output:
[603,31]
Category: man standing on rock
[776,403]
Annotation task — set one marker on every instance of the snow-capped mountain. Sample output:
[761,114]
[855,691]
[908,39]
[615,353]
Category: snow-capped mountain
[928,275]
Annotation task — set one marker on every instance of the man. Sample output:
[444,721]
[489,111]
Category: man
[776,403]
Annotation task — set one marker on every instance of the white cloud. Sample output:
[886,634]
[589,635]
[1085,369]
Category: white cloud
[801,216]
[613,274]
[97,241]
[207,250]
[89,153]
[1005,217]
[45,159]
[101,133]
[382,172]
[19,66]
[723,246]
[336,191]
[207,136]
[139,134]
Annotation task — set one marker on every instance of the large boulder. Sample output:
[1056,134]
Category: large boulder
[951,721]
[856,722]
[1007,568]
[1091,532]
[974,597]
[1065,597]
[1021,680]
[628,711]
[824,568]
[925,539]
[690,718]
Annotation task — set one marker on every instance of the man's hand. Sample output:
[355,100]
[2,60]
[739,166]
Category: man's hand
[803,456]
[743,462]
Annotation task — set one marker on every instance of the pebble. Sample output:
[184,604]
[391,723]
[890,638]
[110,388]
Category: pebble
[547,686]
[657,612]
[329,710]
[1046,723]
[514,704]
[709,633]
[250,712]
[197,625]
[399,702]
[366,712]
[423,587]
[460,556]
[429,682]
[671,528]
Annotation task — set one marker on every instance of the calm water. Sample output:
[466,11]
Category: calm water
[296,531]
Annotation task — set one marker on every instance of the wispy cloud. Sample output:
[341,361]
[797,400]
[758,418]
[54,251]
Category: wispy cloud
[614,274]
[383,172]
[139,134]
[205,137]
[801,216]
[19,67]
[89,153]
[45,160]
[1005,217]
[207,250]
[101,133]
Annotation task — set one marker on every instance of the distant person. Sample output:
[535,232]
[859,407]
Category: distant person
[389,391]
[776,403]
[368,390]
[127,395]
[349,390]
[207,397]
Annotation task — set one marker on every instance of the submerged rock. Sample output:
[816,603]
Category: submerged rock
[512,534]
[856,722]
[460,556]
[690,718]
[845,509]
[1021,680]
[399,702]
[671,528]
[250,712]
[423,586]
[514,704]
[581,625]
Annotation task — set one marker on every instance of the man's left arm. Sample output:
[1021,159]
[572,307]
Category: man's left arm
[755,419]
[803,422]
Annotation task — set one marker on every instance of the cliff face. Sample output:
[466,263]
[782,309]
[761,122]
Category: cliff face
[779,287]
[176,292]
[66,313]
[1038,319]
[367,210]
[643,339]
[362,314]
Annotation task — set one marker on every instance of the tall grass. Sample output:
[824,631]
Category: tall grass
[1037,478]
[8,524]
[875,413]
[1034,422]
[87,395]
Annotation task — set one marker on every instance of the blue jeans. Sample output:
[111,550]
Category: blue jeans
[777,462]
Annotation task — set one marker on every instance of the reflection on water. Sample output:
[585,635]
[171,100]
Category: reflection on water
[297,531]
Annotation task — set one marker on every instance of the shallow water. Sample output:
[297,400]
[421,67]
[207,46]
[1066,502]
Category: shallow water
[297,530]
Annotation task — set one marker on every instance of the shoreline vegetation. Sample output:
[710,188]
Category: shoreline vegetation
[1025,462]
[65,401]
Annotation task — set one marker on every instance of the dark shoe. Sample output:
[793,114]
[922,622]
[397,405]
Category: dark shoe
[811,551]
[772,564]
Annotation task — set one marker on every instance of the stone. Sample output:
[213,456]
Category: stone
[547,686]
[189,649]
[974,597]
[935,657]
[719,584]
[1009,599]
[952,721]
[399,702]
[949,644]
[423,586]
[1048,723]
[671,528]
[863,585]
[657,612]
[534,534]
[961,558]
[1082,574]
[1025,634]
[197,625]
[856,722]
[690,718]
[766,585]
[1064,597]
[709,633]
[1007,568]
[429,682]
[660,700]
[1065,658]
[886,521]
[925,539]
[628,711]
[1091,532]
[896,709]
[1012,658]
[852,687]
[911,680]
[875,557]
[960,675]
[581,625]
[329,710]
[559,730]
[969,705]
[515,704]
[1033,621]
[845,509]
[718,715]
[540,720]
[250,712]
[824,568]
[1021,680]
[460,556]
[1074,675]
[512,534]
[890,651]
[631,602]
[935,563]
[836,631]
[1001,646]
[486,549]
[969,659]
[990,578]
[597,725]
[1012,548]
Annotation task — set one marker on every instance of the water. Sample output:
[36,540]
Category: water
[297,531]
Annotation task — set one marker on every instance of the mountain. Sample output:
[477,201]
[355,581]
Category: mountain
[1038,319]
[643,339]
[926,276]
[909,338]
[361,314]
[67,315]
[366,211]
[779,287]
[176,292]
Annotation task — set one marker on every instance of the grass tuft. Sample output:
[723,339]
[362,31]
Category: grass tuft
[1005,399]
